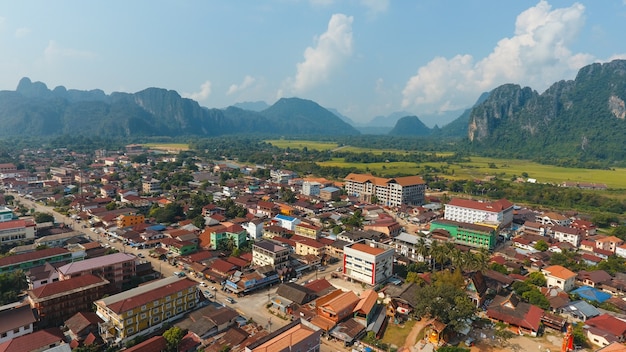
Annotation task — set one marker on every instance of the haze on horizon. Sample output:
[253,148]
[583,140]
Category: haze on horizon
[364,58]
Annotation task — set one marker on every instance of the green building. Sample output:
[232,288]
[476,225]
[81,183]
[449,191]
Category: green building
[472,235]
[237,239]
[28,260]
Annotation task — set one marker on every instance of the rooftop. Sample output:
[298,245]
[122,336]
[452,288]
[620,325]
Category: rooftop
[97,262]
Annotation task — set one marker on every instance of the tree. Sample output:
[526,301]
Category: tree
[541,245]
[537,278]
[43,217]
[445,300]
[173,336]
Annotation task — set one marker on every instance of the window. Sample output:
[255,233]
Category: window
[168,306]
[155,319]
[143,315]
[179,309]
[129,321]
[130,331]
[168,314]
[179,301]
[155,310]
[143,308]
[15,331]
[191,304]
[180,294]
[155,303]
[4,334]
[168,298]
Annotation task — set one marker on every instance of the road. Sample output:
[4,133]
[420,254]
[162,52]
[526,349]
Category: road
[252,306]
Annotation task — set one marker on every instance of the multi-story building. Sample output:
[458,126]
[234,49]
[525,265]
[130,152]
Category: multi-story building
[15,322]
[472,235]
[117,268]
[62,175]
[554,219]
[28,260]
[308,230]
[311,188]
[309,246]
[6,214]
[608,243]
[57,301]
[386,191]
[288,222]
[330,193]
[146,307]
[474,212]
[367,261]
[567,234]
[292,337]
[213,236]
[151,185]
[268,253]
[559,276]
[12,231]
[408,245]
[130,219]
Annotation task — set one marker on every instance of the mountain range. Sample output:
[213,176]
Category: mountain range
[582,118]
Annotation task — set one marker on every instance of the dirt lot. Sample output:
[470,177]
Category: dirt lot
[521,343]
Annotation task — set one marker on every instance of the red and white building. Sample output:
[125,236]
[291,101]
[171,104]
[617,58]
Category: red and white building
[367,261]
[475,212]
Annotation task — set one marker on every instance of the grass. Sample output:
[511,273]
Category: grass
[397,334]
[299,144]
[167,146]
[479,168]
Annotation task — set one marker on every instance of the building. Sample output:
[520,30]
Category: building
[608,243]
[57,301]
[151,185]
[498,213]
[15,322]
[605,329]
[39,341]
[367,261]
[268,253]
[294,336]
[558,276]
[117,268]
[28,260]
[307,230]
[287,222]
[214,236]
[146,307]
[330,193]
[308,246]
[13,231]
[473,235]
[567,234]
[6,214]
[311,188]
[387,191]
[127,220]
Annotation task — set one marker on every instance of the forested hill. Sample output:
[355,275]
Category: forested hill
[34,110]
[582,119]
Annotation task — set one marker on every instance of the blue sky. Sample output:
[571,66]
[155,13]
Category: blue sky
[362,57]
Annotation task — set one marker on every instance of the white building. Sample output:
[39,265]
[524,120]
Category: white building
[254,228]
[407,244]
[471,211]
[567,234]
[6,214]
[15,322]
[311,188]
[287,222]
[559,276]
[386,191]
[16,231]
[368,262]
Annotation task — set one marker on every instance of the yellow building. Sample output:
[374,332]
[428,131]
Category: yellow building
[307,230]
[309,246]
[146,307]
[127,220]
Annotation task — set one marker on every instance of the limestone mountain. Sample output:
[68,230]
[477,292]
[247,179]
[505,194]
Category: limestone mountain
[33,109]
[582,118]
[410,126]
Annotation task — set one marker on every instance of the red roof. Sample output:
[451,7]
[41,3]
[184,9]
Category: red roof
[222,266]
[58,287]
[34,341]
[153,344]
[30,256]
[496,206]
[241,263]
[127,301]
[609,324]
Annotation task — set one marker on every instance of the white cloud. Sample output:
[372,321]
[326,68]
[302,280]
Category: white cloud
[22,32]
[54,52]
[377,6]
[202,94]
[247,82]
[332,49]
[536,55]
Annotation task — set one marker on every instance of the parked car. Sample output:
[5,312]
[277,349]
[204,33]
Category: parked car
[230,300]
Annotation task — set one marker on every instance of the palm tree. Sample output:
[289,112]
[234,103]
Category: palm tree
[422,249]
[457,259]
[481,259]
[439,254]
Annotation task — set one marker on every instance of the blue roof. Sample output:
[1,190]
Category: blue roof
[284,217]
[592,294]
[157,228]
[330,189]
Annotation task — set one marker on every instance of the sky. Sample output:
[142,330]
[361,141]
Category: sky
[364,58]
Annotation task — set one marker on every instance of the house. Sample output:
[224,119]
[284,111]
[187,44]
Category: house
[608,243]
[333,308]
[586,226]
[81,325]
[605,329]
[554,219]
[567,234]
[15,322]
[580,310]
[526,318]
[294,336]
[268,253]
[558,276]
[39,341]
[209,321]
[146,307]
[296,293]
[591,294]
[117,268]
[593,278]
[476,288]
